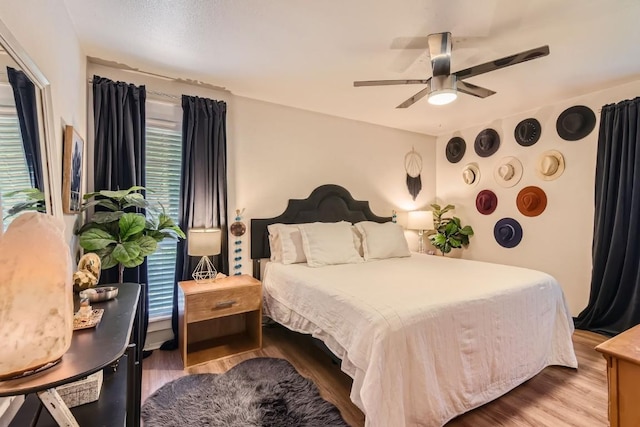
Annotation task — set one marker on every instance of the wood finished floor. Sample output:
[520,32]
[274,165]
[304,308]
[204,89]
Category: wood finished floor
[557,397]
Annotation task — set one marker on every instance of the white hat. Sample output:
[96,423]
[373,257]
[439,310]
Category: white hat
[550,165]
[471,174]
[508,172]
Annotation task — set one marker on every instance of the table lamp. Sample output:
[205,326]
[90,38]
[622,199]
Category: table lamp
[421,221]
[204,242]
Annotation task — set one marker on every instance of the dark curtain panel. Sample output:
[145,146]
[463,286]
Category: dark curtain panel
[203,186]
[614,302]
[24,93]
[119,154]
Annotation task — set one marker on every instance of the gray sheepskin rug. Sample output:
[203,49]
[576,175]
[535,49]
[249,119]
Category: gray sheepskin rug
[261,392]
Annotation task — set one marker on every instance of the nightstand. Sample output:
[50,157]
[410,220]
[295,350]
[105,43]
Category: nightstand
[623,375]
[219,318]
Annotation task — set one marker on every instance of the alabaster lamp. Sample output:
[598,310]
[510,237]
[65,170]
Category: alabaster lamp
[204,242]
[421,221]
[36,303]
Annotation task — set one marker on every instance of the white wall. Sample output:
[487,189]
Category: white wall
[283,153]
[45,32]
[559,240]
[276,153]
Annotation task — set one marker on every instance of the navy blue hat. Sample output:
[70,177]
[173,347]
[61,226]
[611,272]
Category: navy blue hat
[508,232]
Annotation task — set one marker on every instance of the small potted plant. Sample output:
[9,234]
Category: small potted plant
[449,232]
[121,235]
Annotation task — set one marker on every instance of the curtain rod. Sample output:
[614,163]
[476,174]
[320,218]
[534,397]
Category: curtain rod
[153,92]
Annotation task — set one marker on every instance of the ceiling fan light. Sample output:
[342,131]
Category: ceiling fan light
[442,97]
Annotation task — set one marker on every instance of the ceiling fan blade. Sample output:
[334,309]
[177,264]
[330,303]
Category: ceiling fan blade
[507,61]
[471,89]
[389,82]
[415,98]
[440,53]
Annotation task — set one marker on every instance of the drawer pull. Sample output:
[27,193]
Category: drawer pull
[224,304]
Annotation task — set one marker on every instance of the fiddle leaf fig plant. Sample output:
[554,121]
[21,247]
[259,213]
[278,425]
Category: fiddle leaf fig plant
[119,234]
[34,201]
[449,234]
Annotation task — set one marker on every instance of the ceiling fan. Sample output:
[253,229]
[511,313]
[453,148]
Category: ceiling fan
[443,86]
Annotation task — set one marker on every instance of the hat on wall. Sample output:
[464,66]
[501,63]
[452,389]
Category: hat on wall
[575,123]
[550,165]
[508,172]
[471,174]
[527,132]
[531,201]
[455,149]
[507,232]
[486,202]
[487,142]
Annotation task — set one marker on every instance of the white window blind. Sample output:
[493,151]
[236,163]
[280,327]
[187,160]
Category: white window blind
[163,167]
[14,174]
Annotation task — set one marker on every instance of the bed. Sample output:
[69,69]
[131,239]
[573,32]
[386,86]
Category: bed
[425,338]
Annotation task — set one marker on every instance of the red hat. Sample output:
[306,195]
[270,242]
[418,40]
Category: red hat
[486,202]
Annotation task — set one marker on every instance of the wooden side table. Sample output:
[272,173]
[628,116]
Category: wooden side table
[219,318]
[622,353]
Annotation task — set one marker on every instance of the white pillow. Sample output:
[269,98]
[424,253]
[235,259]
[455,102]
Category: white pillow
[275,247]
[327,243]
[382,240]
[288,243]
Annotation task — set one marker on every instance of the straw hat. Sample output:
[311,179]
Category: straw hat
[471,174]
[550,165]
[531,201]
[508,172]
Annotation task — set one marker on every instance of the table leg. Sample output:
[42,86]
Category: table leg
[57,408]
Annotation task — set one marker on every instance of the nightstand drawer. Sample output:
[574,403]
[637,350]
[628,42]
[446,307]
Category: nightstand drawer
[222,302]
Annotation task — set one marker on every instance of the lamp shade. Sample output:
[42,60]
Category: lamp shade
[420,220]
[204,241]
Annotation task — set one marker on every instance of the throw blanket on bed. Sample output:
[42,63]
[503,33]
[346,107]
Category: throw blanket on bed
[426,338]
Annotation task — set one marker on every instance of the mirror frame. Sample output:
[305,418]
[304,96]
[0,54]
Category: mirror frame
[45,110]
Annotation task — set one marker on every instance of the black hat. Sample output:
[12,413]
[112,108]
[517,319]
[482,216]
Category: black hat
[508,232]
[487,143]
[527,132]
[455,149]
[575,123]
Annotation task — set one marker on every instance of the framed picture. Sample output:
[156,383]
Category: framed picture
[72,171]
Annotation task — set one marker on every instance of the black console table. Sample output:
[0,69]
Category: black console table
[115,338]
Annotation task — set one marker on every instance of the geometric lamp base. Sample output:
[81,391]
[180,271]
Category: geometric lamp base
[205,271]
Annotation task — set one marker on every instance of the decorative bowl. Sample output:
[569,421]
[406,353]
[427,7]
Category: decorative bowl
[100,293]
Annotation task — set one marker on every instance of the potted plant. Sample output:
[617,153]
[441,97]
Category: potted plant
[121,235]
[34,202]
[449,232]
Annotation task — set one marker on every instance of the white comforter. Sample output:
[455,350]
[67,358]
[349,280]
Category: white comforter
[426,338]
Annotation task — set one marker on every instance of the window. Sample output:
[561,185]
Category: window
[163,167]
[14,173]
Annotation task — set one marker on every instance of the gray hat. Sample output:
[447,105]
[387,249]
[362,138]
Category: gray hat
[487,142]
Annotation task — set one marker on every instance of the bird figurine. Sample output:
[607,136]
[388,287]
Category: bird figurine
[88,272]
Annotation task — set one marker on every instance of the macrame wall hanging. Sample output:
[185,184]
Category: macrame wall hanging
[237,230]
[413,166]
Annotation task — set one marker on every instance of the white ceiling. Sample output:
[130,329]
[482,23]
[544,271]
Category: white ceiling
[307,53]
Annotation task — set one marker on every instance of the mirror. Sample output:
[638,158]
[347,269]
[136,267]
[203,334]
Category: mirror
[25,131]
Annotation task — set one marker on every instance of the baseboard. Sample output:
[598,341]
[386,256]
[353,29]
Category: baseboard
[158,332]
